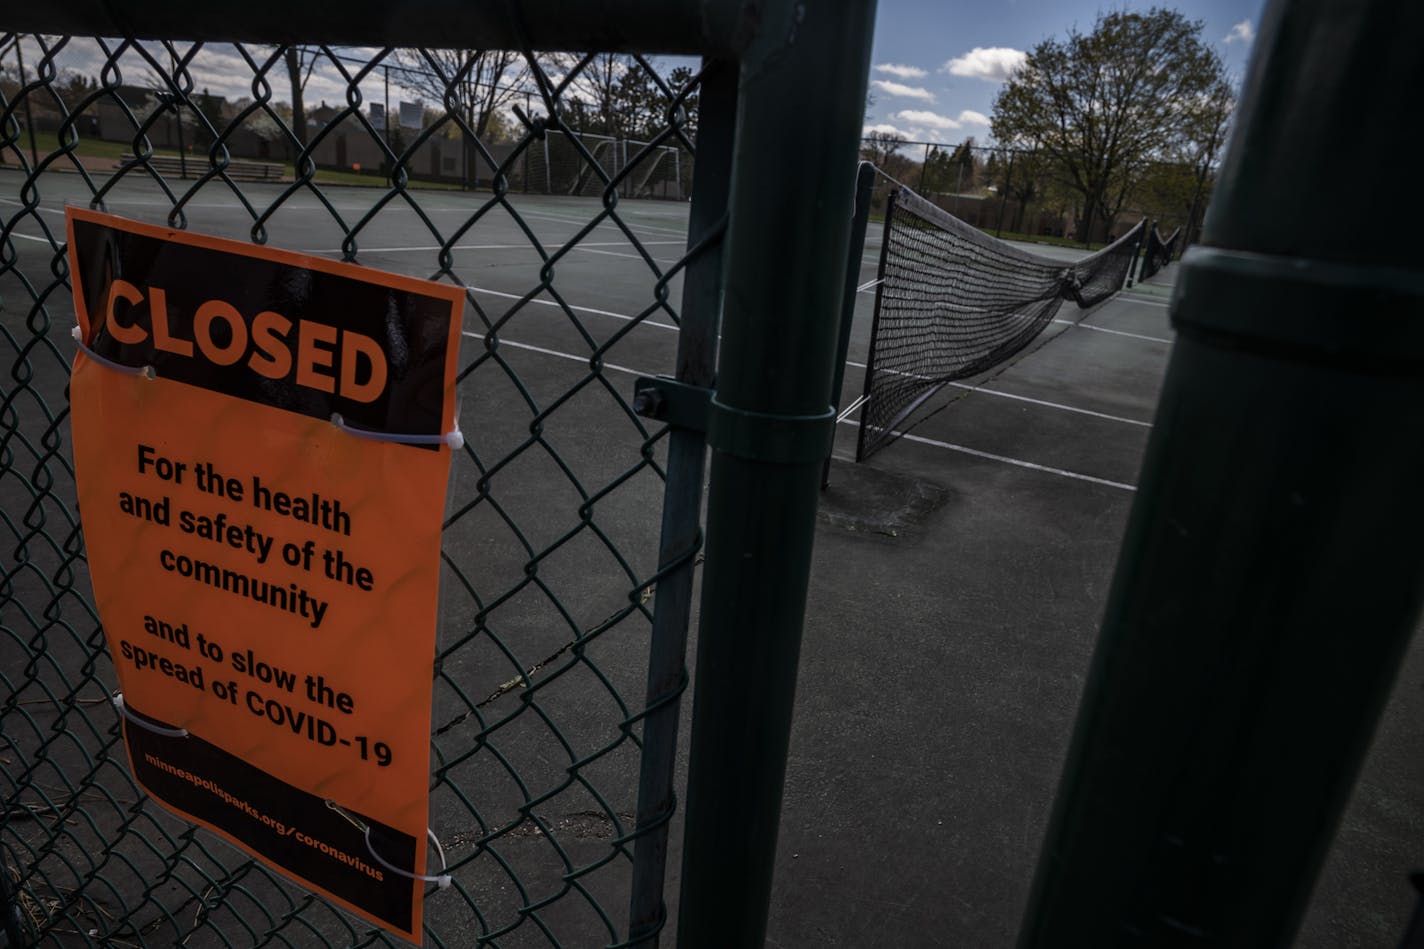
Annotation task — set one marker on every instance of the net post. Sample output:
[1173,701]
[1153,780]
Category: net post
[864,189]
[874,325]
[1266,594]
[768,428]
[1134,267]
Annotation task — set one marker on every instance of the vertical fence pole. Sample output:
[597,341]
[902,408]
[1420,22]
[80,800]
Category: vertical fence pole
[682,507]
[1271,576]
[1003,198]
[548,171]
[769,428]
[864,189]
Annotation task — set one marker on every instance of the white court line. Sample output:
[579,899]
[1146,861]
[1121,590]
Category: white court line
[1129,296]
[37,240]
[614,253]
[604,223]
[290,205]
[858,365]
[555,353]
[1023,398]
[1016,462]
[990,456]
[1104,329]
[580,309]
[20,204]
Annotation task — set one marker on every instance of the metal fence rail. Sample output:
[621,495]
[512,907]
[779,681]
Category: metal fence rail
[541,661]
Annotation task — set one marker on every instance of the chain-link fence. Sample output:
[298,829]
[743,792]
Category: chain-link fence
[613,121]
[551,548]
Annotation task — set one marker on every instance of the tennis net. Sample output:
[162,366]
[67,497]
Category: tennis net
[1158,252]
[952,302]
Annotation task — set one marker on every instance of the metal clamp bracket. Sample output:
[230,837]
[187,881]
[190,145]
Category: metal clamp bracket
[758,436]
[679,404]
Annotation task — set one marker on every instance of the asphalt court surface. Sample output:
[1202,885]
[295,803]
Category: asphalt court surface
[959,578]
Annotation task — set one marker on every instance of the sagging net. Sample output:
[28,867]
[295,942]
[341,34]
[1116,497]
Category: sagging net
[953,302]
[1158,252]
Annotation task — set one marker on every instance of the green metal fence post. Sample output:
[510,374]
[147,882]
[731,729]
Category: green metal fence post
[864,190]
[682,505]
[769,429]
[1272,575]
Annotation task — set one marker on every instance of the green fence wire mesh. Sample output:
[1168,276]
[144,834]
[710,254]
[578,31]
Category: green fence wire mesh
[551,538]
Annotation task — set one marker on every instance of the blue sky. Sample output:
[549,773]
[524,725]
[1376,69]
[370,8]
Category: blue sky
[936,66]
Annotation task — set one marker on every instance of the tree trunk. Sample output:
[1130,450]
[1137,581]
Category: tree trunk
[299,115]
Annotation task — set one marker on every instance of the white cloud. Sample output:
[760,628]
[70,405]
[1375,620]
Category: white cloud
[1242,32]
[903,72]
[928,119]
[881,129]
[898,89]
[992,63]
[970,117]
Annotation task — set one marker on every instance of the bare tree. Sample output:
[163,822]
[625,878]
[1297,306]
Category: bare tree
[300,62]
[877,147]
[473,84]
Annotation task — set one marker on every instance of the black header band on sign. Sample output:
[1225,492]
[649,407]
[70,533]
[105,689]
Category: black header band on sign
[256,327]
[285,825]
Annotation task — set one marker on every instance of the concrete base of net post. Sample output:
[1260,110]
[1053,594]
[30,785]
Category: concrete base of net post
[1271,576]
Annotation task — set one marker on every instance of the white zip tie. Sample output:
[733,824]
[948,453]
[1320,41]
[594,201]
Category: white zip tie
[118,700]
[454,439]
[442,879]
[146,371]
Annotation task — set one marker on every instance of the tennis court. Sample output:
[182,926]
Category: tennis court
[957,589]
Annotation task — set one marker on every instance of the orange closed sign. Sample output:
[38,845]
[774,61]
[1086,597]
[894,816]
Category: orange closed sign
[261,453]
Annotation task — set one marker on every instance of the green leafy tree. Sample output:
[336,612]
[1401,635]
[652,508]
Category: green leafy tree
[939,173]
[1100,106]
[965,166]
[74,87]
[1203,139]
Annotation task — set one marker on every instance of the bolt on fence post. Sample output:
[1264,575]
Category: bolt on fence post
[682,505]
[864,188]
[1271,575]
[803,83]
